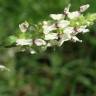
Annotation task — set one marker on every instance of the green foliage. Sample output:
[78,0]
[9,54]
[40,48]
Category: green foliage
[66,71]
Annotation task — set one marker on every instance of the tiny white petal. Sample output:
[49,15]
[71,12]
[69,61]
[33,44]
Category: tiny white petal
[69,30]
[73,15]
[63,23]
[68,35]
[84,7]
[74,39]
[47,27]
[24,26]
[66,10]
[83,29]
[51,36]
[57,16]
[24,42]
[39,42]
[64,37]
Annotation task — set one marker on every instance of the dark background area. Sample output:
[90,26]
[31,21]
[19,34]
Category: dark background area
[66,71]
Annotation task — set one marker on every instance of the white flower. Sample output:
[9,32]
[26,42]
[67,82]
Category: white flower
[47,27]
[24,42]
[4,68]
[84,7]
[39,42]
[63,23]
[24,26]
[68,35]
[57,16]
[69,30]
[64,37]
[85,30]
[73,15]
[51,36]
[82,29]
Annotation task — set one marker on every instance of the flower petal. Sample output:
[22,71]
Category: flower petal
[57,16]
[39,42]
[64,37]
[73,15]
[82,29]
[24,42]
[74,39]
[66,10]
[63,23]
[51,36]
[84,7]
[24,26]
[48,27]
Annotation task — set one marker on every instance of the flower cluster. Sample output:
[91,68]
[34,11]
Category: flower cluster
[62,27]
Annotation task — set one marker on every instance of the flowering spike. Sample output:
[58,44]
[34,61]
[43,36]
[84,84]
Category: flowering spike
[61,28]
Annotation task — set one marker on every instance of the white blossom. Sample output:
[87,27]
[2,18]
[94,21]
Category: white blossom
[63,23]
[71,34]
[84,7]
[51,36]
[82,29]
[39,42]
[58,30]
[47,27]
[24,26]
[73,15]
[68,35]
[69,30]
[57,16]
[64,37]
[24,42]
[85,30]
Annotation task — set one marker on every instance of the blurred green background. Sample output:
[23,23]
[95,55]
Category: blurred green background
[66,71]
